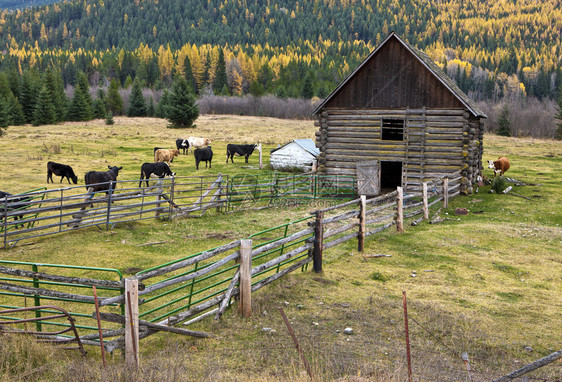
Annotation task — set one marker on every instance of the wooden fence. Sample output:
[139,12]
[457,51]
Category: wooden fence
[204,284]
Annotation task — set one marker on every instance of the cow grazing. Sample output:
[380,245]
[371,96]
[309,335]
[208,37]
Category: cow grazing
[239,151]
[14,204]
[195,142]
[182,144]
[62,170]
[165,155]
[159,169]
[157,148]
[204,155]
[501,165]
[99,180]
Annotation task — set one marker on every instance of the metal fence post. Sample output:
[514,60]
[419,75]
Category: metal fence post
[109,205]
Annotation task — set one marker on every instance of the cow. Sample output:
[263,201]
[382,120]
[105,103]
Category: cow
[160,169]
[13,204]
[182,144]
[165,155]
[62,170]
[157,148]
[195,142]
[501,165]
[239,150]
[205,154]
[99,180]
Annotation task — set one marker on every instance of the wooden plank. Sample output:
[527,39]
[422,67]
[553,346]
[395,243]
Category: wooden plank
[131,323]
[318,242]
[400,209]
[245,307]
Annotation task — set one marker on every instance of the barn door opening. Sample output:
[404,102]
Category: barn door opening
[391,176]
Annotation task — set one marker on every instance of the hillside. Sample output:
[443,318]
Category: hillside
[493,49]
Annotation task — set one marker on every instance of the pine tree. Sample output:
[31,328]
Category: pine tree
[504,124]
[4,117]
[28,94]
[99,105]
[221,79]
[307,91]
[163,104]
[151,109]
[54,83]
[188,73]
[15,111]
[81,105]
[181,110]
[45,113]
[109,119]
[114,103]
[137,104]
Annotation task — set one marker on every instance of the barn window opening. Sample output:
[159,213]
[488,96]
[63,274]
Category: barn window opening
[392,129]
[391,175]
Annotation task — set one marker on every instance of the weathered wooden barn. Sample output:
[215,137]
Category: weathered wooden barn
[299,153]
[399,120]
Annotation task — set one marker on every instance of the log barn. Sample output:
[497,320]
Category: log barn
[399,120]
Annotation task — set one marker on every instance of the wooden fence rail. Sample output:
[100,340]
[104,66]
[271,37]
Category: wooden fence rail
[358,218]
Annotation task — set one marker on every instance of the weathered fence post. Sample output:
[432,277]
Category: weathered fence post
[318,242]
[158,197]
[132,322]
[109,205]
[362,211]
[245,277]
[36,298]
[445,192]
[425,204]
[400,209]
[172,196]
[261,160]
[6,222]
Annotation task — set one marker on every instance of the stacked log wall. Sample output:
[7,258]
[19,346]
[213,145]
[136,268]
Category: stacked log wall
[436,142]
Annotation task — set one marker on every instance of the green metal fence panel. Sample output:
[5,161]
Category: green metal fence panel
[81,310]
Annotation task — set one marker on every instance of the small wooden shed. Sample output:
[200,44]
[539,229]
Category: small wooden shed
[299,153]
[399,120]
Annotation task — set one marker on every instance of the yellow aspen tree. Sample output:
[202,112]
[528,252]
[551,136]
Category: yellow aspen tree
[43,32]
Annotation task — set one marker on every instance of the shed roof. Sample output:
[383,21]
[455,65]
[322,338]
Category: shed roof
[426,61]
[307,144]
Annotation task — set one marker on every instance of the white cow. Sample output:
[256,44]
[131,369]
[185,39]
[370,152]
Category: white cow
[196,142]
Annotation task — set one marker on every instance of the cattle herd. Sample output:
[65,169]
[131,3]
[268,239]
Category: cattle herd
[100,181]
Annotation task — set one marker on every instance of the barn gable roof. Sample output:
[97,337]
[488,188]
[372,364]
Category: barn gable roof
[427,62]
[306,144]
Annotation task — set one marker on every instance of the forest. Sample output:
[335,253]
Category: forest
[496,51]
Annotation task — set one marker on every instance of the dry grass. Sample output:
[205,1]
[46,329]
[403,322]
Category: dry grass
[488,283]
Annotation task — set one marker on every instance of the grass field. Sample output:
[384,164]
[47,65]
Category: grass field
[487,283]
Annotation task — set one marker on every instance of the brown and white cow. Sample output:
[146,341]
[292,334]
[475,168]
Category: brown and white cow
[501,165]
[196,142]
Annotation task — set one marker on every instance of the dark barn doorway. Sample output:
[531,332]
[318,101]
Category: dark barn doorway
[391,175]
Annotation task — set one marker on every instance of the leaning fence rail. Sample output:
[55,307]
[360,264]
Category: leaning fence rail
[200,285]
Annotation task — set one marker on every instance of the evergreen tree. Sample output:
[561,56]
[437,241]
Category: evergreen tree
[151,109]
[81,106]
[15,111]
[163,104]
[188,73]
[220,80]
[558,131]
[28,94]
[307,91]
[137,104]
[55,85]
[504,124]
[181,110]
[4,118]
[109,119]
[99,105]
[114,103]
[45,113]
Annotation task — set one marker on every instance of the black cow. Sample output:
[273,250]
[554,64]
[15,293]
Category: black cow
[160,169]
[13,204]
[182,144]
[92,178]
[205,154]
[239,151]
[62,170]
[157,148]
